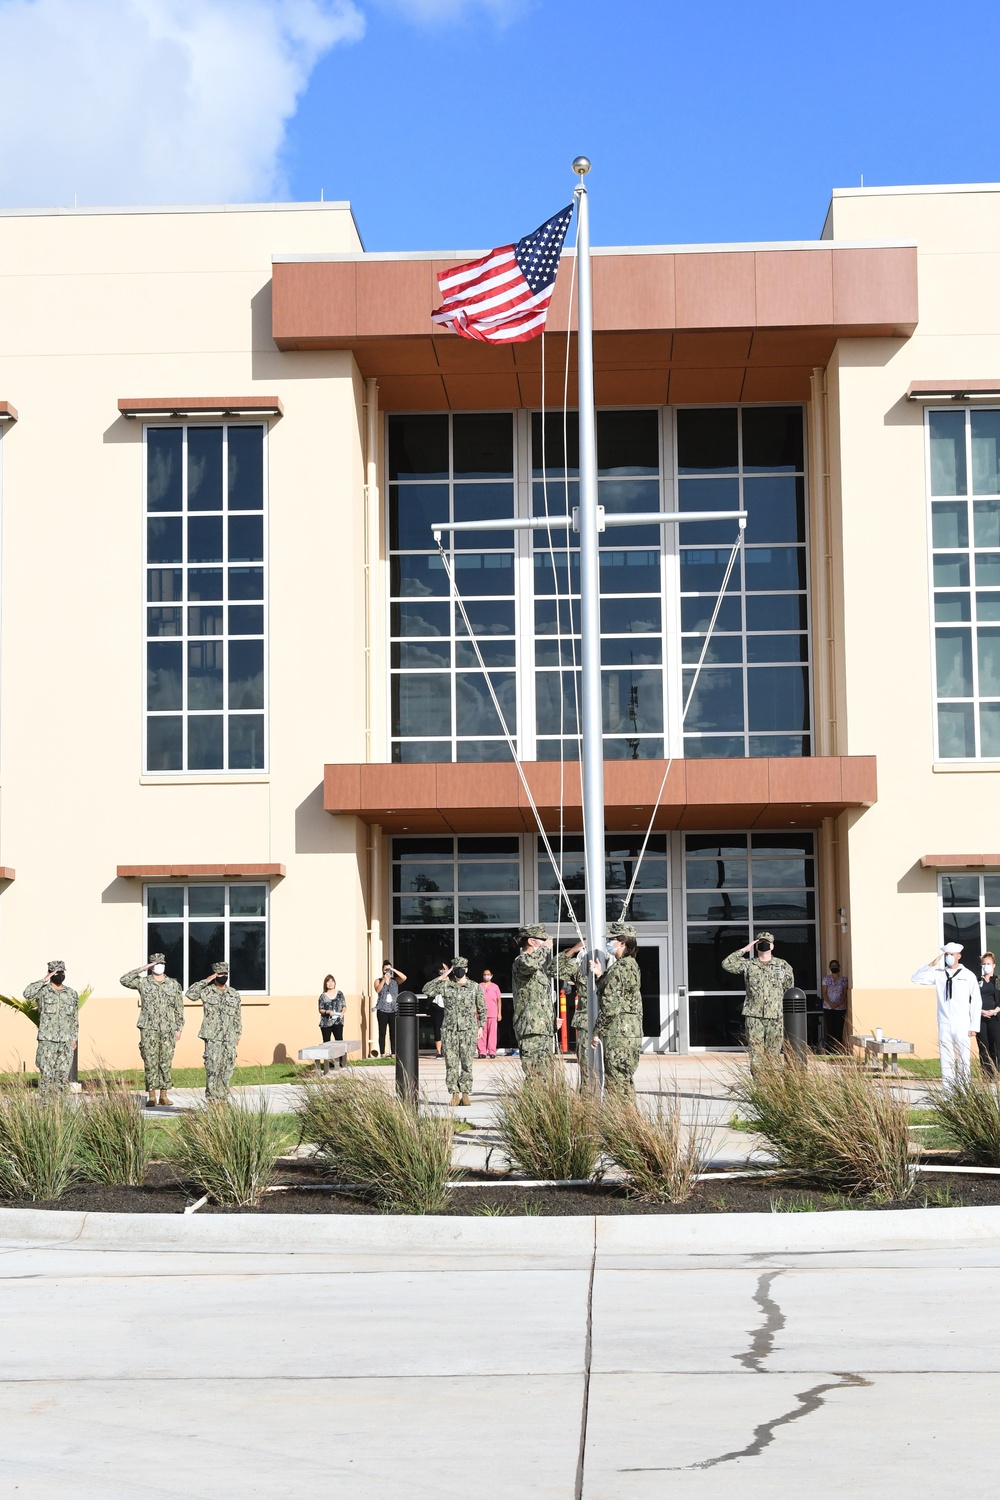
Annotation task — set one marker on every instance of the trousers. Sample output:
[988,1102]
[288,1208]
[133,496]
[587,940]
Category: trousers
[459,1049]
[386,1022]
[220,1060]
[156,1048]
[955,1048]
[53,1061]
[488,1035]
[764,1033]
[536,1052]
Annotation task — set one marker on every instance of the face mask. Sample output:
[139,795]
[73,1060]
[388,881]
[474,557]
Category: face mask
[221,980]
[58,976]
[611,951]
[988,968]
[458,973]
[763,947]
[159,968]
[951,959]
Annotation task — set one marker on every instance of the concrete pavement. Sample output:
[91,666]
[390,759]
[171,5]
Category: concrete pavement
[565,1360]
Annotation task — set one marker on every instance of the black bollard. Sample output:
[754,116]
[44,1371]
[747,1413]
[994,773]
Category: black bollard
[796,1020]
[407,1055]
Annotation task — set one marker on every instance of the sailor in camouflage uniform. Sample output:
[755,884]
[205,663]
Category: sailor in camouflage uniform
[766,979]
[220,1030]
[619,1008]
[463,1019]
[161,1017]
[535,967]
[58,1025]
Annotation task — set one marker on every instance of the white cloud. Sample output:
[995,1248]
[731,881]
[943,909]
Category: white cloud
[155,101]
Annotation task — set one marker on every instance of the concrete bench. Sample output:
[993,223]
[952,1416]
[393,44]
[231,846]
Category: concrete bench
[327,1052]
[888,1049]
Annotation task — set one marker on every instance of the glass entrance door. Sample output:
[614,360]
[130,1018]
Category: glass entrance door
[659,1012]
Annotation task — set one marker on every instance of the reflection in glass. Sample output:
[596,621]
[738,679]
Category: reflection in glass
[164,448]
[947,445]
[205,742]
[246,468]
[204,468]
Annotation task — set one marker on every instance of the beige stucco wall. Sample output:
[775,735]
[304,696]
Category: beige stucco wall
[878,472]
[94,307]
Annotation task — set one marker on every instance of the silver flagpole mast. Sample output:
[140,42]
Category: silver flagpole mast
[592,731]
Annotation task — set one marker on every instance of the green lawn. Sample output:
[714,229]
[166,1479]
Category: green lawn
[194,1078]
[921,1067]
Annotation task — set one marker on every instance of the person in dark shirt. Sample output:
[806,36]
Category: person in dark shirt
[988,1039]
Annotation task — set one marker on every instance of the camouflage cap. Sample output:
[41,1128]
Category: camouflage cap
[764,937]
[620,930]
[220,968]
[157,958]
[56,963]
[535,930]
[458,962]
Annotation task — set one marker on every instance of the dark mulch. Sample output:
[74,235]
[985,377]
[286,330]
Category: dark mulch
[165,1192]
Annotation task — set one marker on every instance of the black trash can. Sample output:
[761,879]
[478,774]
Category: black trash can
[795,1007]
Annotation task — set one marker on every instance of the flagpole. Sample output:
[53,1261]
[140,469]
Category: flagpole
[592,730]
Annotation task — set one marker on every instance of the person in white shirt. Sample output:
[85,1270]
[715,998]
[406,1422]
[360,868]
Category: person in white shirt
[959,1008]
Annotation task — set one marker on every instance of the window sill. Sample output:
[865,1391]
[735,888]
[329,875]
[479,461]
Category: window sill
[965,765]
[194,778]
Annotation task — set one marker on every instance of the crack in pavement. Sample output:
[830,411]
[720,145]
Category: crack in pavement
[761,1346]
[762,1338]
[763,1434]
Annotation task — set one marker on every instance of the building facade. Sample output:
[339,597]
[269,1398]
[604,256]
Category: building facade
[225,438]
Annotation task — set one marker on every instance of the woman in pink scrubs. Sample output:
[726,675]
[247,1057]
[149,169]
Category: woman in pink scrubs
[488,1036]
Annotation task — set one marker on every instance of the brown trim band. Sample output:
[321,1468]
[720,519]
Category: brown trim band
[8,413]
[200,406]
[6,873]
[960,861]
[952,390]
[190,872]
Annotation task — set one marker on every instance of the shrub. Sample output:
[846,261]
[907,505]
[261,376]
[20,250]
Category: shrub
[229,1150]
[659,1158]
[838,1127]
[39,1134]
[547,1127]
[969,1110]
[368,1137]
[115,1143]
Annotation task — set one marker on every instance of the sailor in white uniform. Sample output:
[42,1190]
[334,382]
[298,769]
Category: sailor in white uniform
[959,1008]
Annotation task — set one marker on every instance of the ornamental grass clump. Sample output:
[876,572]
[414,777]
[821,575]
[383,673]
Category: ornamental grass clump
[229,1150]
[660,1159]
[839,1128]
[969,1110]
[115,1142]
[370,1139]
[548,1128]
[39,1137]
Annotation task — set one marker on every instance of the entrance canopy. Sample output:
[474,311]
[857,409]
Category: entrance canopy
[701,794]
[672,324]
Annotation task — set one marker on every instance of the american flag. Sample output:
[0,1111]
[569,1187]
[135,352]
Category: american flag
[503,298]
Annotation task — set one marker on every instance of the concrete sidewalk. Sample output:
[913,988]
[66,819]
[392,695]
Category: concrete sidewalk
[562,1360]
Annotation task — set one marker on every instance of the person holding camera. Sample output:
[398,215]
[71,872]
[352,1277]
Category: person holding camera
[765,979]
[387,990]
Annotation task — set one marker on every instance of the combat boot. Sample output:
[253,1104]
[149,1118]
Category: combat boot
[465,1099]
[151,1101]
[163,1097]
[453,1100]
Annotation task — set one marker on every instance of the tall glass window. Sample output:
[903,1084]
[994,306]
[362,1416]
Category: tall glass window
[752,697]
[631,582]
[964,472]
[735,885]
[970,915]
[195,926]
[455,896]
[451,468]
[649,899]
[205,593]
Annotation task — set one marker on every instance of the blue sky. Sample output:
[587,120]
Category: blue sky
[724,120]
[450,124]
